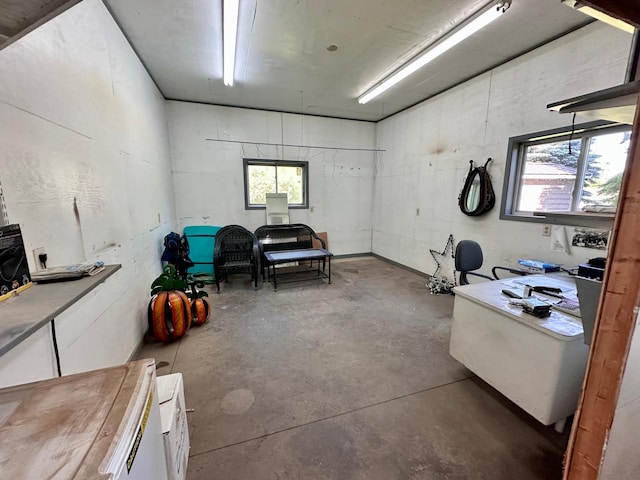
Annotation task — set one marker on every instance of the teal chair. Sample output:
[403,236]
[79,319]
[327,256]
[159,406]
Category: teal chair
[202,241]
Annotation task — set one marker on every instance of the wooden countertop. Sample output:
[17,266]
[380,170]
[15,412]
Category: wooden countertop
[24,314]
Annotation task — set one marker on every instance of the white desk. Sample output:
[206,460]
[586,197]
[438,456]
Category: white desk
[538,363]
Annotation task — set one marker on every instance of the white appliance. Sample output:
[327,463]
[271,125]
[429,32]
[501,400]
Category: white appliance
[175,430]
[277,208]
[103,424]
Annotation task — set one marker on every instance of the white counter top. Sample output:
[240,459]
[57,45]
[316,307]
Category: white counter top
[558,324]
[24,314]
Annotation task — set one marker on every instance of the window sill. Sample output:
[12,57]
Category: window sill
[573,219]
[264,207]
[577,219]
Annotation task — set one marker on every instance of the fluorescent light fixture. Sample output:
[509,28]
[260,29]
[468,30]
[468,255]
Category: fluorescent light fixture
[229,31]
[450,41]
[598,15]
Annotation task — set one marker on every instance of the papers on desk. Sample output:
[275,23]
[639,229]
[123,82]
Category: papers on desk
[556,322]
[518,284]
[67,272]
[560,324]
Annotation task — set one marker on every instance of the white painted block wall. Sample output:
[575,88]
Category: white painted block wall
[428,149]
[208,175]
[85,169]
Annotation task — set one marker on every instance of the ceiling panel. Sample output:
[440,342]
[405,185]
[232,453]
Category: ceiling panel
[283,63]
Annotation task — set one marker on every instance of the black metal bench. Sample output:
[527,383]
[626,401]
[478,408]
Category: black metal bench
[288,243]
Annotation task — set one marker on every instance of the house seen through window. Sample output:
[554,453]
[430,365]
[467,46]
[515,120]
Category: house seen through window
[275,176]
[563,172]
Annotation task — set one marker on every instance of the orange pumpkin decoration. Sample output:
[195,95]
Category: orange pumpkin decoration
[169,315]
[200,310]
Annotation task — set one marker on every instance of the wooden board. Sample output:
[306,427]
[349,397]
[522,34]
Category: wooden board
[629,11]
[19,17]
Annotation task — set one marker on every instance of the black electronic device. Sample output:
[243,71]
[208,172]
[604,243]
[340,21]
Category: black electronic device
[551,291]
[536,307]
[14,270]
[594,268]
[511,294]
[598,262]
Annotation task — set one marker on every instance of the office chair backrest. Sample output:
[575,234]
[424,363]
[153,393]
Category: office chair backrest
[468,259]
[468,256]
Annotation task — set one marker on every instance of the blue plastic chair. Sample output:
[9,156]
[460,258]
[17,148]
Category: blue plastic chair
[202,241]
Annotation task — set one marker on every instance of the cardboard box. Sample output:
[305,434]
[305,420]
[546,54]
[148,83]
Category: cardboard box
[14,269]
[323,236]
[175,430]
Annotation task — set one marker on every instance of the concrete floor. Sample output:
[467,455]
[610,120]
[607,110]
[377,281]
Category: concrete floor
[345,381]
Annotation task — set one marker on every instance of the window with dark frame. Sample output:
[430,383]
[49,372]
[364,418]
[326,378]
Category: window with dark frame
[569,171]
[275,176]
[4,216]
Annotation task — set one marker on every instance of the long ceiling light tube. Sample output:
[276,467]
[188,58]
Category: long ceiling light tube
[436,50]
[229,32]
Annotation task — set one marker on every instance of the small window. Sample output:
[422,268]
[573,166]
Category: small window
[563,172]
[275,176]
[4,217]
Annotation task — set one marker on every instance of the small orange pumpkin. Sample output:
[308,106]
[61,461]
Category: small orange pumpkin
[200,310]
[169,315]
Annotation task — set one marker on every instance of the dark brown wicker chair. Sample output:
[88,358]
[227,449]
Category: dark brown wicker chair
[236,251]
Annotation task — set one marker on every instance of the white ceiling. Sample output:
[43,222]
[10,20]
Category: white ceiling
[282,59]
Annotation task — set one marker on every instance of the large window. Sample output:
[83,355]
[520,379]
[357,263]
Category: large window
[563,172]
[275,176]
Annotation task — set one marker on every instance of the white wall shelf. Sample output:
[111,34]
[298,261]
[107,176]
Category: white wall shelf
[24,314]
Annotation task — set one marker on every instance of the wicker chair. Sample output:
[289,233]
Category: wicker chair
[236,251]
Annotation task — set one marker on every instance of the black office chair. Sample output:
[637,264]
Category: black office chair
[468,259]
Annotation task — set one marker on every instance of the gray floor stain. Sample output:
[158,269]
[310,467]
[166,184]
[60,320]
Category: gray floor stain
[237,401]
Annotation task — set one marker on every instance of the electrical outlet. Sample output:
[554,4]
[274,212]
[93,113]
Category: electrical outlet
[546,230]
[36,260]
